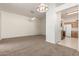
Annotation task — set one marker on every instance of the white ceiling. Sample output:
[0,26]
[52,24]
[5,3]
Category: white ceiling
[58,4]
[26,9]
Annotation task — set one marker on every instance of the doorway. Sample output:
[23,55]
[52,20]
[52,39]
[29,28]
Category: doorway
[69,27]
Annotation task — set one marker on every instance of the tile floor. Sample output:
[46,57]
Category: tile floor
[69,42]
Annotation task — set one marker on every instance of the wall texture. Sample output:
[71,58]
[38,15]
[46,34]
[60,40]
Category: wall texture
[13,25]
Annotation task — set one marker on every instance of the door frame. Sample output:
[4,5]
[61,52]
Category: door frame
[58,12]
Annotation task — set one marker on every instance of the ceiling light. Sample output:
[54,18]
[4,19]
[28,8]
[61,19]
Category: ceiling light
[42,8]
[34,18]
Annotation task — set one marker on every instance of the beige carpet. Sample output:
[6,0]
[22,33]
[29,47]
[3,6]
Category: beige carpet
[33,46]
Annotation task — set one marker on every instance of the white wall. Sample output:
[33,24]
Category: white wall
[13,25]
[50,24]
[43,26]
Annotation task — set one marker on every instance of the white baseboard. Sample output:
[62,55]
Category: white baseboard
[18,36]
[50,42]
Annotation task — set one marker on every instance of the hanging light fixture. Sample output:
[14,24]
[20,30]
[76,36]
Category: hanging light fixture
[42,8]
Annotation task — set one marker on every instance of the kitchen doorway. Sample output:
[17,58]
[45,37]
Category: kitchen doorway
[69,27]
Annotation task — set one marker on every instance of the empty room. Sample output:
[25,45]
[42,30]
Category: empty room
[22,26]
[37,29]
